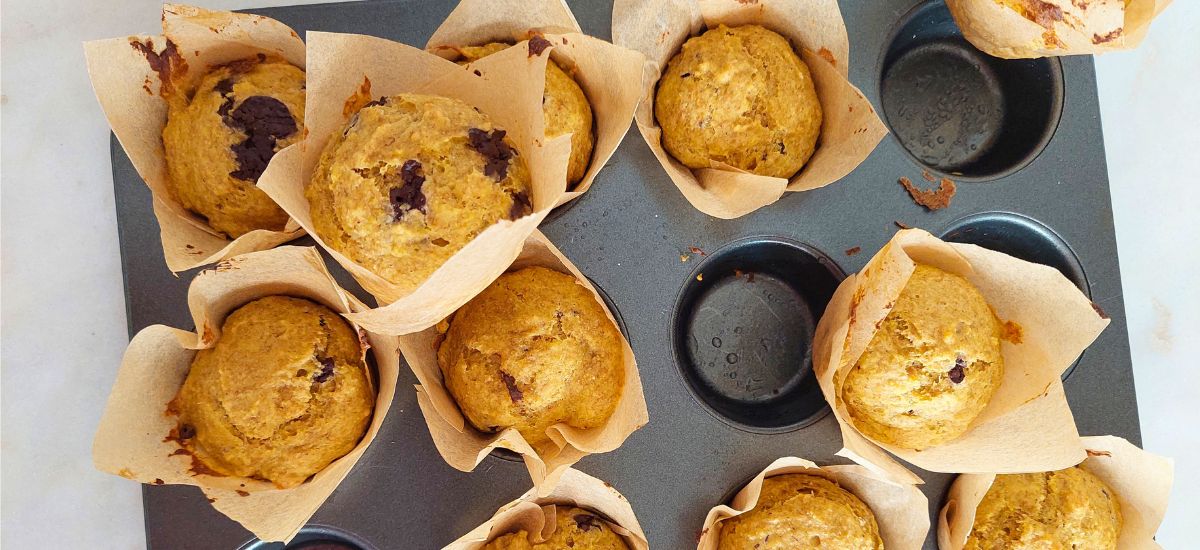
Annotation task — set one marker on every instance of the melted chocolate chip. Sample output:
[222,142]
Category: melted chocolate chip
[326,370]
[521,206]
[685,75]
[586,522]
[408,195]
[224,87]
[958,372]
[378,102]
[538,44]
[186,432]
[514,393]
[264,120]
[495,151]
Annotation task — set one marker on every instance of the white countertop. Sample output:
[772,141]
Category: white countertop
[63,322]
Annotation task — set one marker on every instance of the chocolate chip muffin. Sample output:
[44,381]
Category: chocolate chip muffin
[932,366]
[575,529]
[220,137]
[739,96]
[411,180]
[283,393]
[801,511]
[566,108]
[533,349]
[1069,508]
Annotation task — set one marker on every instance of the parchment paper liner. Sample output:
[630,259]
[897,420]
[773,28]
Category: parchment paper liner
[1141,480]
[611,76]
[464,447]
[535,514]
[1081,27]
[850,129]
[347,70]
[130,440]
[900,509]
[1027,426]
[130,93]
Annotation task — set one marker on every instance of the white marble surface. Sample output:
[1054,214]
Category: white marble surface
[63,312]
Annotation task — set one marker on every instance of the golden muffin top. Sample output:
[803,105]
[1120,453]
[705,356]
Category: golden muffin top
[532,350]
[802,512]
[411,180]
[575,529]
[932,366]
[739,96]
[281,394]
[1067,509]
[219,138]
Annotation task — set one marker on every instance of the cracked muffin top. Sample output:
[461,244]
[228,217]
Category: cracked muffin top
[410,180]
[532,350]
[282,393]
[220,137]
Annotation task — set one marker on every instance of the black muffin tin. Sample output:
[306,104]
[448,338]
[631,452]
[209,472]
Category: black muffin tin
[723,339]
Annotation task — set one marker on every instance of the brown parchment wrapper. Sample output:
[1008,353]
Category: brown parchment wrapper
[611,76]
[1027,426]
[850,129]
[464,447]
[345,71]
[1141,481]
[900,509]
[132,438]
[1054,27]
[535,514]
[131,94]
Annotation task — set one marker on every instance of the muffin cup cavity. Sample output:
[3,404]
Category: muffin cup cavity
[132,77]
[315,537]
[345,72]
[850,128]
[464,447]
[1027,425]
[534,514]
[133,439]
[899,509]
[742,332]
[959,111]
[1141,480]
[1072,28]
[610,75]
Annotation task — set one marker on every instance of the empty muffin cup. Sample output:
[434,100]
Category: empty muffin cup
[314,537]
[959,111]
[743,328]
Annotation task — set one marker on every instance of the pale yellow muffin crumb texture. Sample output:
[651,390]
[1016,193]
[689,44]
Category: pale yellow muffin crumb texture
[566,109]
[1069,509]
[802,512]
[282,394]
[575,529]
[932,366]
[219,138]
[739,96]
[532,350]
[412,179]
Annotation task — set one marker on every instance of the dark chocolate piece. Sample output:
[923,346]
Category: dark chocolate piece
[495,151]
[408,196]
[264,120]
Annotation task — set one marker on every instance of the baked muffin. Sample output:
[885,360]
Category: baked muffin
[801,511]
[575,529]
[411,180]
[219,139]
[566,108]
[1066,509]
[533,349]
[740,96]
[283,393]
[932,366]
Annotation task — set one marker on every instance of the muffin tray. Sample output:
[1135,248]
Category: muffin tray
[723,338]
